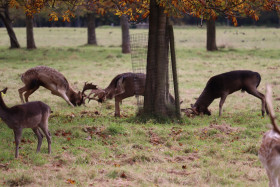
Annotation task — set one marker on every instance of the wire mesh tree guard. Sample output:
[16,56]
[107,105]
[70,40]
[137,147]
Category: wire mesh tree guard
[139,49]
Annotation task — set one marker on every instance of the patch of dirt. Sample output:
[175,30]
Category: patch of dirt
[154,138]
[223,128]
[140,159]
[182,159]
[89,113]
[181,173]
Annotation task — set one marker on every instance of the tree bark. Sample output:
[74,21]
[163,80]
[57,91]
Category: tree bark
[29,33]
[5,17]
[278,13]
[125,34]
[91,29]
[157,62]
[211,36]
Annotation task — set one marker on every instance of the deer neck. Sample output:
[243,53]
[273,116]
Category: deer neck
[70,92]
[4,110]
[204,100]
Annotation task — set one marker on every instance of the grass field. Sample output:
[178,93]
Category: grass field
[92,148]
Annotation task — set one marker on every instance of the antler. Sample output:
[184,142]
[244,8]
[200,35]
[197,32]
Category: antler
[94,90]
[88,86]
[189,112]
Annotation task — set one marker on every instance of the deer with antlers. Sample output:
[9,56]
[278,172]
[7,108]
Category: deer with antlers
[269,152]
[122,86]
[52,80]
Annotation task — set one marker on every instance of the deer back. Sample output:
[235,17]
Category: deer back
[126,85]
[46,77]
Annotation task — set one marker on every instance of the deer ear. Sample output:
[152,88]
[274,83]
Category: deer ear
[4,90]
[120,87]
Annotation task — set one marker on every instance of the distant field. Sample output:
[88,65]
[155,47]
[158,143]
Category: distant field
[186,37]
[100,150]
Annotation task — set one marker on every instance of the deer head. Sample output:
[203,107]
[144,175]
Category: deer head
[77,99]
[196,110]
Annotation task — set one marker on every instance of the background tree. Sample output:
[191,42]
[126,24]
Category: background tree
[91,29]
[211,36]
[7,20]
[30,42]
[125,34]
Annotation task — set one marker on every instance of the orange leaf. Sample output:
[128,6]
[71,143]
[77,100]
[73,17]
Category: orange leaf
[70,181]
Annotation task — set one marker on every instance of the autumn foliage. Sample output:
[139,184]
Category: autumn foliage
[138,10]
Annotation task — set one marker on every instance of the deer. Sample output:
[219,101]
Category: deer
[269,152]
[222,85]
[52,80]
[32,115]
[122,86]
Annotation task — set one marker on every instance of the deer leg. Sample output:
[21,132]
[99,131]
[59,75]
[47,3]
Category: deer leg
[274,178]
[39,137]
[29,92]
[17,133]
[45,130]
[64,96]
[117,107]
[20,91]
[259,95]
[222,101]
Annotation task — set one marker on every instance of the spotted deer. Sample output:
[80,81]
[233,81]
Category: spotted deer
[52,80]
[122,86]
[269,152]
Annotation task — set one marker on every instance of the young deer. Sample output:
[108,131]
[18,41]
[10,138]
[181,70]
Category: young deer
[52,80]
[220,86]
[122,86]
[269,153]
[32,115]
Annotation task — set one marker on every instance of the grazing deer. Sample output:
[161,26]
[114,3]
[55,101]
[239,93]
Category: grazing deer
[52,80]
[269,152]
[220,86]
[32,115]
[122,86]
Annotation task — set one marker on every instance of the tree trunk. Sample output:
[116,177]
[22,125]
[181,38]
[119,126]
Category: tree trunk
[278,13]
[157,62]
[125,34]
[5,17]
[211,36]
[29,33]
[91,29]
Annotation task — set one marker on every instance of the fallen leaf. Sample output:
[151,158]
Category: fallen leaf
[70,181]
[117,165]
[184,167]
[123,175]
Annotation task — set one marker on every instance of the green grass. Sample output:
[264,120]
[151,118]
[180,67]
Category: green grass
[91,148]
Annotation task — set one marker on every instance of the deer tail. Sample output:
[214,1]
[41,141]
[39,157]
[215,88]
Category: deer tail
[268,98]
[259,79]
